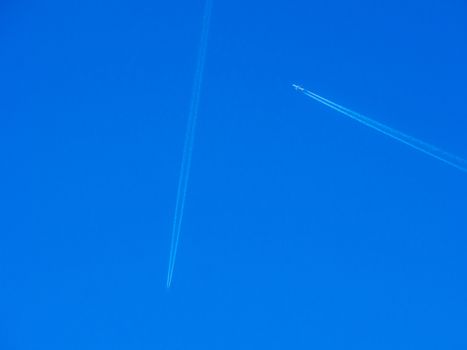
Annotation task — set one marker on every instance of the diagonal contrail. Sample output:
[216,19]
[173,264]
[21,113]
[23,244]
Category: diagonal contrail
[413,142]
[189,139]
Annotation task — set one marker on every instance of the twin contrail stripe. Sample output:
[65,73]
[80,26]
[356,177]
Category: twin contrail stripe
[189,139]
[413,142]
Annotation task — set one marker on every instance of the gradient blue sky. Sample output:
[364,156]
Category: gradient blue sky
[302,229]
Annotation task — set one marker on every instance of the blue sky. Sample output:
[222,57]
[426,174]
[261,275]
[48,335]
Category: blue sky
[302,228]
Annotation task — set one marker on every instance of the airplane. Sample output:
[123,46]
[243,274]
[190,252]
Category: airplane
[298,87]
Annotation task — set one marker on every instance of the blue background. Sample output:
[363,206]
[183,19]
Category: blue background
[302,229]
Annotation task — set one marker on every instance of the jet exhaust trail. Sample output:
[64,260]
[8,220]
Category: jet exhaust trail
[413,142]
[189,139]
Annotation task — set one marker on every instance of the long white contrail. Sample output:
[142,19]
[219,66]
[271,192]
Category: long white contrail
[189,139]
[413,142]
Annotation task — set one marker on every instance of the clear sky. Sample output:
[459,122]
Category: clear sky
[302,229]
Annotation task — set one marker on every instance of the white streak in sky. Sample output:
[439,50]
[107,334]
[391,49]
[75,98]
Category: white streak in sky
[413,142]
[189,138]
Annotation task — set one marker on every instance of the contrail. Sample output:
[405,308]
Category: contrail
[413,142]
[189,138]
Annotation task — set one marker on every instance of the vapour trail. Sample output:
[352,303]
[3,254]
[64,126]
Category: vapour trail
[189,139]
[413,142]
